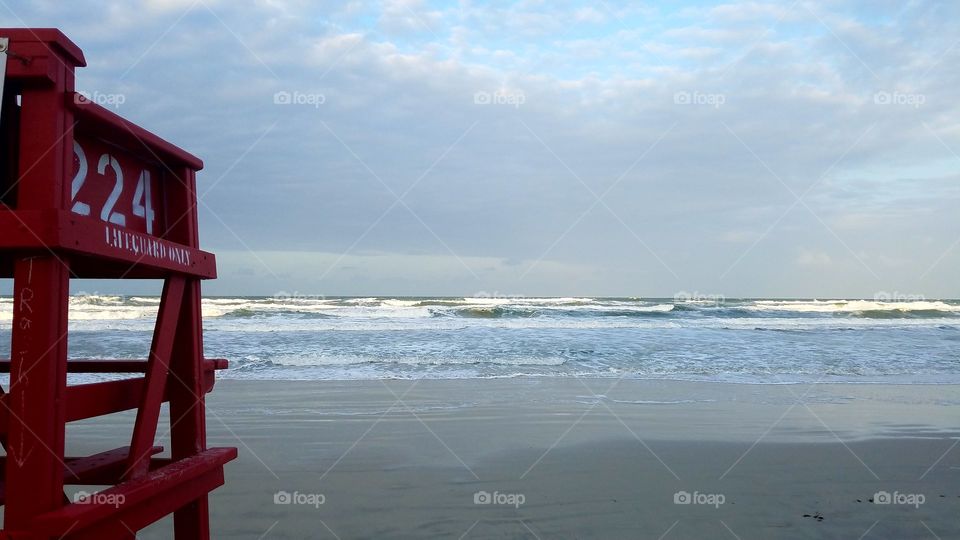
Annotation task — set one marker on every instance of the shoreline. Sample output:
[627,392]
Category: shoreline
[854,411]
[813,380]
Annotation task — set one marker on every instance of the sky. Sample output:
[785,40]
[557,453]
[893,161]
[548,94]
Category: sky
[745,148]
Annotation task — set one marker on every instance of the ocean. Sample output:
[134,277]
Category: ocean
[295,337]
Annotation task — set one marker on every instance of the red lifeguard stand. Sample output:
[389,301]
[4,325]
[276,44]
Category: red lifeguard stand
[87,194]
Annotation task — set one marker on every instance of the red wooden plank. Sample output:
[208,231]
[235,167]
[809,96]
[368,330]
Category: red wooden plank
[188,429]
[155,380]
[42,56]
[97,399]
[139,501]
[39,231]
[102,468]
[119,365]
[91,236]
[103,123]
[48,38]
[125,520]
[35,404]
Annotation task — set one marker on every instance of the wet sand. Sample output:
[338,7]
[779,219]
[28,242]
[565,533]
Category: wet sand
[567,458]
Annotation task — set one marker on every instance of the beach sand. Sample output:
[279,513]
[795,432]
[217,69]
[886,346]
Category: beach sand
[568,458]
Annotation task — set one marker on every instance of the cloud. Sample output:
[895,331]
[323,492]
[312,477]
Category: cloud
[383,273]
[654,148]
[814,258]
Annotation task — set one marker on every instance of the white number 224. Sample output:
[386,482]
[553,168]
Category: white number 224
[142,203]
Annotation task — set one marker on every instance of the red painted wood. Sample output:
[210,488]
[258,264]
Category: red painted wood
[141,182]
[174,484]
[188,422]
[48,53]
[45,239]
[97,399]
[63,231]
[101,122]
[187,405]
[126,520]
[35,413]
[47,38]
[155,380]
[98,469]
[123,365]
[36,422]
[102,468]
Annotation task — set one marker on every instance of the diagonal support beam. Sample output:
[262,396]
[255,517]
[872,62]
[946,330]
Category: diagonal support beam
[155,380]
